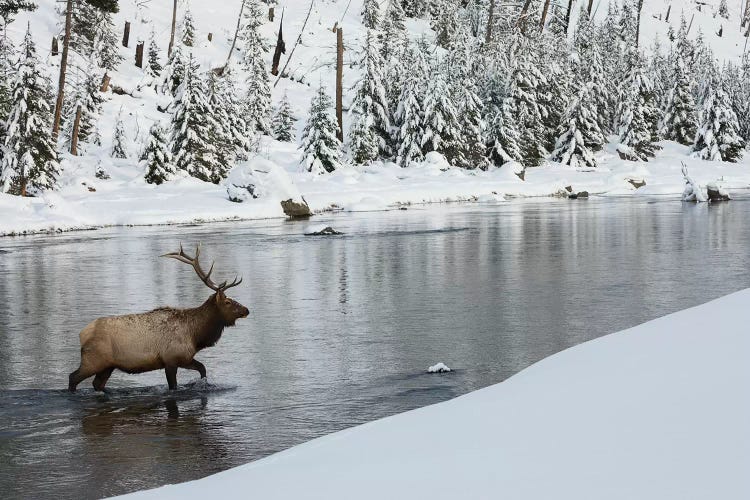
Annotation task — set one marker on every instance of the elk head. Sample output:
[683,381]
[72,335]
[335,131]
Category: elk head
[229,309]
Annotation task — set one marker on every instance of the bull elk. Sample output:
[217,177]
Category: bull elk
[165,338]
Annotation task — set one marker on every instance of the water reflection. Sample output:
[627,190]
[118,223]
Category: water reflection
[341,329]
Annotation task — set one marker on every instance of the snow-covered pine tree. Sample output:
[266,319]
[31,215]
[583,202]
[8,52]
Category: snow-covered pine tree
[369,133]
[503,136]
[414,8]
[156,159]
[9,9]
[717,138]
[258,97]
[580,136]
[7,58]
[190,138]
[29,162]
[608,42]
[723,9]
[408,118]
[526,81]
[119,148]
[637,109]
[283,121]
[393,36]
[174,71]
[371,14]
[220,124]
[237,127]
[86,94]
[440,122]
[187,28]
[153,66]
[320,145]
[680,118]
[471,152]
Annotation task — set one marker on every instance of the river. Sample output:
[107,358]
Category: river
[341,329]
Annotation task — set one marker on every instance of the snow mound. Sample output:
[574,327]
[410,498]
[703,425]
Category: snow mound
[260,178]
[439,368]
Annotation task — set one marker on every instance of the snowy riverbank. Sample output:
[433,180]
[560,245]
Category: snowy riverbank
[84,201]
[658,411]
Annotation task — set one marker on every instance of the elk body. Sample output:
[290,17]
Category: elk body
[165,338]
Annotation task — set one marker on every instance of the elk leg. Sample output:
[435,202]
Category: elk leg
[197,366]
[101,379]
[77,377]
[171,372]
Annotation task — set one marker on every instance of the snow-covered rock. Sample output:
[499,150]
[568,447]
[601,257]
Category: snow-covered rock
[260,178]
[438,368]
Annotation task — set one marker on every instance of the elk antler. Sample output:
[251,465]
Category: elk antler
[205,277]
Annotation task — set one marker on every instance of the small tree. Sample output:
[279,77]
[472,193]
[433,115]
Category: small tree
[187,29]
[119,149]
[156,159]
[174,71]
[258,98]
[322,149]
[717,138]
[371,14]
[680,121]
[580,135]
[190,140]
[29,162]
[283,121]
[153,67]
[369,133]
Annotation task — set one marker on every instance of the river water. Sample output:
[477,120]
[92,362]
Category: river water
[341,328]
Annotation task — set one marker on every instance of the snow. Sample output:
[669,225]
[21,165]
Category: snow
[275,169]
[439,368]
[654,412]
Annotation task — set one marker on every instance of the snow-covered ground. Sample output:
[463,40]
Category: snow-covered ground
[126,198]
[659,411]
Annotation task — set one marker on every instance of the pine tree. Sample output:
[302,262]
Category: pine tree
[237,127]
[119,149]
[156,159]
[371,14]
[7,57]
[29,162]
[9,9]
[190,138]
[258,98]
[174,71]
[680,118]
[717,138]
[321,148]
[369,133]
[153,67]
[440,119]
[526,81]
[393,37]
[222,135]
[87,95]
[504,137]
[637,110]
[413,8]
[187,29]
[283,121]
[471,151]
[608,41]
[580,136]
[723,9]
[409,115]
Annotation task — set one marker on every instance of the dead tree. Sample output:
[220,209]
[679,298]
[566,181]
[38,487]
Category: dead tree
[638,24]
[524,13]
[63,69]
[74,136]
[567,15]
[55,49]
[299,39]
[126,34]
[339,81]
[669,11]
[234,40]
[490,22]
[591,6]
[105,83]
[280,48]
[174,25]
[544,15]
[139,54]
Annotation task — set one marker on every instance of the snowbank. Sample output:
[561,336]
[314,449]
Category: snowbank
[659,411]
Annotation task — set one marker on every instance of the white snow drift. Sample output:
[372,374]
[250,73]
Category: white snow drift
[659,411]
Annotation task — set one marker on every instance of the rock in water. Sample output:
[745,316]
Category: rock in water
[717,193]
[295,209]
[439,368]
[326,231]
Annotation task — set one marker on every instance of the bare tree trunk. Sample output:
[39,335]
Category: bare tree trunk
[139,54]
[669,11]
[638,24]
[55,49]
[339,81]
[490,22]
[280,48]
[544,15]
[63,69]
[591,6]
[567,16]
[126,34]
[174,25]
[105,83]
[299,39]
[523,13]
[236,34]
[76,129]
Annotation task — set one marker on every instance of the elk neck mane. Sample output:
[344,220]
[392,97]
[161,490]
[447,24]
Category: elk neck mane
[206,321]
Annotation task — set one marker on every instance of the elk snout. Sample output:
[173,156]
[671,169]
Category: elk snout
[244,312]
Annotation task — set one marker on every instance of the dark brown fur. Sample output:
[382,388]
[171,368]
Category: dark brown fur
[165,338]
